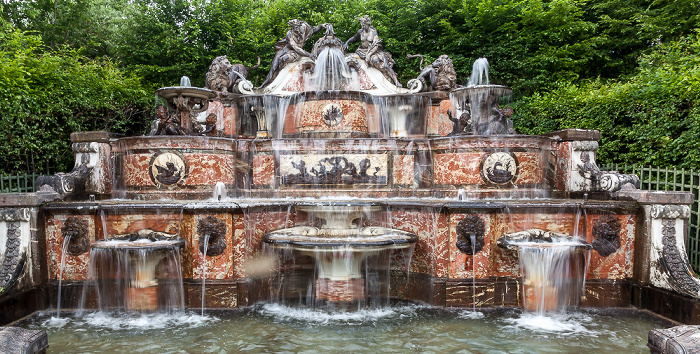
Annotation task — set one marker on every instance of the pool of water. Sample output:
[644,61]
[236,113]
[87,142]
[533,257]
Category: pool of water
[404,328]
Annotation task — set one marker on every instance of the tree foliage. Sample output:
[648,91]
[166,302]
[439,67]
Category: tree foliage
[563,58]
[653,117]
[45,95]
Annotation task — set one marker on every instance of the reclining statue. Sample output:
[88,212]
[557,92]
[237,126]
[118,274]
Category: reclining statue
[371,50]
[290,48]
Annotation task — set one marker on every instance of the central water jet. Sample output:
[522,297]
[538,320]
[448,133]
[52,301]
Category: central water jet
[340,247]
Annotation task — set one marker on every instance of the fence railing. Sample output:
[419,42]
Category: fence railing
[23,183]
[651,178]
[672,179]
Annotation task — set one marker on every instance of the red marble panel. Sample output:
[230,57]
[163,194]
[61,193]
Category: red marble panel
[140,299]
[204,169]
[340,290]
[217,267]
[464,266]
[136,170]
[310,113]
[263,170]
[438,121]
[239,245]
[619,264]
[75,267]
[546,219]
[504,262]
[258,260]
[208,169]
[228,123]
[531,168]
[403,169]
[431,253]
[124,224]
[457,168]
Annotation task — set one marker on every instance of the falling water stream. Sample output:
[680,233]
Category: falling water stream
[204,269]
[480,73]
[332,72]
[64,250]
[472,238]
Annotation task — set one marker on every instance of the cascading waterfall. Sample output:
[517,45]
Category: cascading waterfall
[552,276]
[332,72]
[135,278]
[275,112]
[342,264]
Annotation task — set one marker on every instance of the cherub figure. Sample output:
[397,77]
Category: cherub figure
[167,124]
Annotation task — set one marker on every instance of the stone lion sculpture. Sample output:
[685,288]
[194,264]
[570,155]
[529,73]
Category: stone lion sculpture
[441,73]
[218,78]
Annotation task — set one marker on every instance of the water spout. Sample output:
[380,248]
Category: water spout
[185,82]
[204,268]
[331,72]
[553,267]
[219,191]
[480,73]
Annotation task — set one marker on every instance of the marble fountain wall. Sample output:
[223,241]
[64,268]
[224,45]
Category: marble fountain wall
[434,170]
[427,183]
[427,186]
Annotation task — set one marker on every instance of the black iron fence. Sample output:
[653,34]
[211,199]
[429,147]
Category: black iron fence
[671,179]
[19,183]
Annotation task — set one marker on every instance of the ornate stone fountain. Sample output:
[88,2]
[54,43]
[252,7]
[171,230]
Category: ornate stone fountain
[340,247]
[433,167]
[131,261]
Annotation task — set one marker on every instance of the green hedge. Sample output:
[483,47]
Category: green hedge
[47,94]
[651,118]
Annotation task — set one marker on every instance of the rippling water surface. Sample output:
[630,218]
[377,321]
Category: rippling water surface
[406,328]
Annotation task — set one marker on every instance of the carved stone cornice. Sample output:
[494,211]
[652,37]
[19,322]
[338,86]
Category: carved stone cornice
[90,147]
[21,214]
[670,211]
[584,145]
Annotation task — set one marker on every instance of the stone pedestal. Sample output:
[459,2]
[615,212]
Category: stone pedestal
[675,340]
[340,290]
[140,299]
[23,341]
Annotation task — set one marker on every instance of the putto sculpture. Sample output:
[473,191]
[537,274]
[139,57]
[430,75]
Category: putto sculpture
[166,123]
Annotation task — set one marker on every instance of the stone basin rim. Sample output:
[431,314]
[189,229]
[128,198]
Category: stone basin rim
[151,246]
[190,91]
[333,246]
[478,87]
